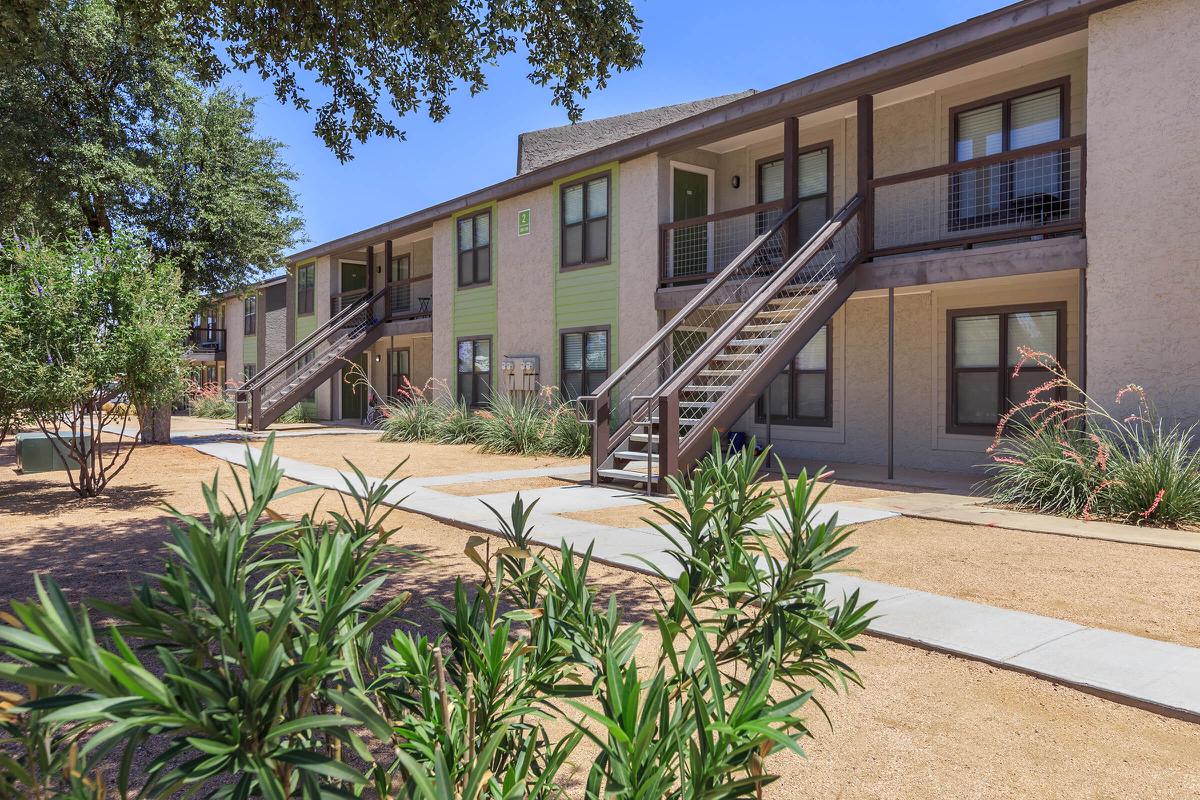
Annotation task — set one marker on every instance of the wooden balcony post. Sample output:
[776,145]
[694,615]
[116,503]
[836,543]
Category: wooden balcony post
[866,170]
[791,184]
[387,277]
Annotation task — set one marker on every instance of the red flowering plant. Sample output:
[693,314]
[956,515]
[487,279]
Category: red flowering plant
[1060,451]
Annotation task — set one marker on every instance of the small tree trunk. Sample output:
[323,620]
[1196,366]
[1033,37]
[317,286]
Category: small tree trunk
[156,424]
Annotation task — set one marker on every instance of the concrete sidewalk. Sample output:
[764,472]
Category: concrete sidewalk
[1148,673]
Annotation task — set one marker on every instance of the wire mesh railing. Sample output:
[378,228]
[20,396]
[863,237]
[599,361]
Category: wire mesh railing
[693,250]
[1028,192]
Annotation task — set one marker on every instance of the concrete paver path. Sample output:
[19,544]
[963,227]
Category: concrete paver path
[1161,676]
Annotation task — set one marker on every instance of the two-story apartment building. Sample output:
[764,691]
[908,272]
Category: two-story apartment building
[843,265]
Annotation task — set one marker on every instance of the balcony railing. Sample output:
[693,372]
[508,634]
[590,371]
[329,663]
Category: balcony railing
[206,340]
[693,250]
[1032,191]
[408,298]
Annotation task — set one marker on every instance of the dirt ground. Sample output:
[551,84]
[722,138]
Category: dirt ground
[376,458]
[1146,591]
[925,726]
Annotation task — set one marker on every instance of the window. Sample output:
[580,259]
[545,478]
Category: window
[305,289]
[585,222]
[1010,191]
[474,371]
[250,315]
[802,394]
[983,349]
[584,361]
[814,190]
[249,371]
[475,249]
[398,371]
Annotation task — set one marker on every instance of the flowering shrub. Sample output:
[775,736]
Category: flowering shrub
[546,424]
[1059,451]
[210,401]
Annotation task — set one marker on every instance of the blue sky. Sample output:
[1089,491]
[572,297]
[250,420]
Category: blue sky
[694,49]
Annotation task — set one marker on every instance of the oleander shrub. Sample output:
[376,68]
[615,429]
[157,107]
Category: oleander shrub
[249,666]
[1059,451]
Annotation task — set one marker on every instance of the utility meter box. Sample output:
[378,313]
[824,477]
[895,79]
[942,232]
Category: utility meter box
[38,452]
[520,366]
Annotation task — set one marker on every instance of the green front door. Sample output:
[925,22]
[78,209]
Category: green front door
[689,247]
[354,389]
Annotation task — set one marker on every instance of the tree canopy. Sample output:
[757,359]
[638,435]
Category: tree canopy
[107,127]
[88,331]
[377,60]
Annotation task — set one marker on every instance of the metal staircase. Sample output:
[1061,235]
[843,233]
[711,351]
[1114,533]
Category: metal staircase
[290,378]
[655,414]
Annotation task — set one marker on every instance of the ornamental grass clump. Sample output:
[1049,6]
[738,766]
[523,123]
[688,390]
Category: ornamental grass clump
[210,402]
[249,667]
[1059,451]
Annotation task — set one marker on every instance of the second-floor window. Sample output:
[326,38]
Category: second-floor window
[475,249]
[584,361]
[1023,189]
[585,222]
[814,190]
[250,316]
[305,289]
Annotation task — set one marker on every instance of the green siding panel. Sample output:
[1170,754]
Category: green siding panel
[587,296]
[473,309]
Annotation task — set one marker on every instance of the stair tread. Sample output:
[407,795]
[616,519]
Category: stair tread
[635,455]
[623,475]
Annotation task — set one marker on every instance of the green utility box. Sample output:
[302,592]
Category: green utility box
[37,452]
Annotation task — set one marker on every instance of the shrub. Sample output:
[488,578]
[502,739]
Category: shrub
[210,402]
[1059,451]
[513,426]
[301,412]
[525,426]
[263,680]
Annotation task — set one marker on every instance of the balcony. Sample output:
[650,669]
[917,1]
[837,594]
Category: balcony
[405,299]
[1021,195]
[206,344]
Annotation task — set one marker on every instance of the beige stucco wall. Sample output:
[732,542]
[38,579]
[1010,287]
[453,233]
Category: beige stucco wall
[1142,226]
[234,335]
[443,294]
[525,285]
[638,265]
[325,286]
[859,329]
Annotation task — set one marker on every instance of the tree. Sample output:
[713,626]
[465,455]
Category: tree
[378,60]
[92,330]
[107,129]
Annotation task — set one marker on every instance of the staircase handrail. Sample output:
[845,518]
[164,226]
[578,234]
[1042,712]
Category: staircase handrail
[307,343]
[696,302]
[723,335]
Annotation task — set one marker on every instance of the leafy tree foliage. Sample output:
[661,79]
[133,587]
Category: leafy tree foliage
[259,676]
[376,59]
[106,129]
[87,333]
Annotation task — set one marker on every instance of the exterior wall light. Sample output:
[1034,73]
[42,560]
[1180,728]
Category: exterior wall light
[735,181]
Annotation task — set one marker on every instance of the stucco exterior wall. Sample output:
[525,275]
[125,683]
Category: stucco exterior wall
[525,288]
[443,294]
[1142,229]
[234,339]
[637,271]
